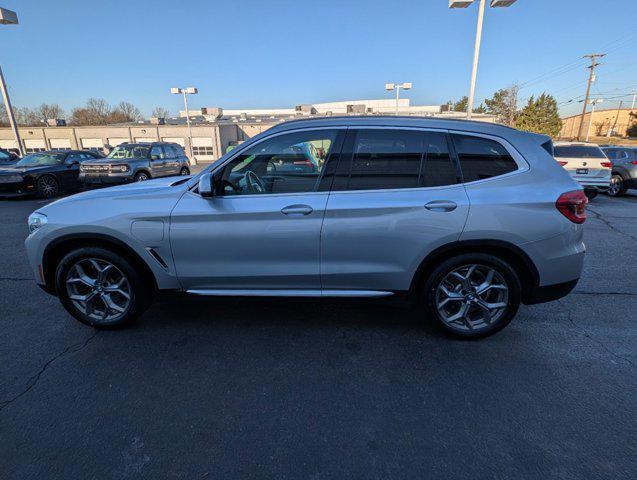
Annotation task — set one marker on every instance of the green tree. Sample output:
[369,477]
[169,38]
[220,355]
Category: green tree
[540,116]
[462,105]
[504,105]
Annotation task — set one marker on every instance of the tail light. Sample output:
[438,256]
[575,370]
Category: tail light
[634,162]
[573,205]
[561,163]
[606,164]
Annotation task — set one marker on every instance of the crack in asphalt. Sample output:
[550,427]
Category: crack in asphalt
[598,216]
[581,292]
[593,339]
[33,380]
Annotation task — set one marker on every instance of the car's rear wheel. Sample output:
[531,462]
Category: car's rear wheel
[617,187]
[101,288]
[184,171]
[47,186]
[473,295]
[141,177]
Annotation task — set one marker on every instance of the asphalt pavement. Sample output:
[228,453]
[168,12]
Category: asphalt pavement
[213,389]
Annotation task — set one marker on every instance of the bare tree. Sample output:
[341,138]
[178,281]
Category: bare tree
[504,104]
[125,112]
[47,111]
[95,112]
[26,117]
[160,112]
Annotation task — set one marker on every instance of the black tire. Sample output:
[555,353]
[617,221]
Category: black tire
[505,315]
[141,295]
[590,193]
[141,177]
[617,186]
[184,171]
[47,186]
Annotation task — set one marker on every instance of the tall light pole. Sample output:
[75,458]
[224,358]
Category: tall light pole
[7,17]
[185,92]
[590,120]
[632,107]
[476,48]
[397,86]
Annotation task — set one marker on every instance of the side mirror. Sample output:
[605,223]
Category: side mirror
[154,157]
[205,186]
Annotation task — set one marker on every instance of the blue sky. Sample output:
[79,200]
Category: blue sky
[279,53]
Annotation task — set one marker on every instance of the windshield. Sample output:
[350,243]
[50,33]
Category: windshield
[129,151]
[578,151]
[41,159]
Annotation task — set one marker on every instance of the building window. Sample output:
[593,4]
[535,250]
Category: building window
[203,151]
[36,149]
[61,149]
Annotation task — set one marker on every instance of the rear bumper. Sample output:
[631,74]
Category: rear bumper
[548,293]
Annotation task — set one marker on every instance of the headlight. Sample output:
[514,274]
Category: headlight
[36,220]
[119,168]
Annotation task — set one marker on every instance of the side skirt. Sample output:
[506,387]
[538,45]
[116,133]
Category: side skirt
[291,293]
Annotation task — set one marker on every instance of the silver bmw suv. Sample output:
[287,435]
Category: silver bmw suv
[469,218]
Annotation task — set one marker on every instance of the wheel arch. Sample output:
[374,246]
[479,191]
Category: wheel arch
[58,248]
[512,254]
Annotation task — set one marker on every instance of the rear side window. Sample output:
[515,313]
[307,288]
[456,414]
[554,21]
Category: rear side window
[578,151]
[481,158]
[393,159]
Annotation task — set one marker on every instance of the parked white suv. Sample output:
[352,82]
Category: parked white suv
[468,217]
[587,164]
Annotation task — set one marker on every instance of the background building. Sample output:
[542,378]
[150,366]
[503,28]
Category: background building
[617,121]
[213,129]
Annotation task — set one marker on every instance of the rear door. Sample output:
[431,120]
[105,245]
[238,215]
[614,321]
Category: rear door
[157,161]
[396,196]
[172,160]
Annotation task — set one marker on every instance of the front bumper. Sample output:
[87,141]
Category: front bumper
[17,189]
[97,179]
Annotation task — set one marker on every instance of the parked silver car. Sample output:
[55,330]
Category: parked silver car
[470,218]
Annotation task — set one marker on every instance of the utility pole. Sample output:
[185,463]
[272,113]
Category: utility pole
[632,107]
[590,120]
[610,129]
[591,77]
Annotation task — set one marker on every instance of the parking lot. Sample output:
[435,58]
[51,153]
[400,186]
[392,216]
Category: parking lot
[304,389]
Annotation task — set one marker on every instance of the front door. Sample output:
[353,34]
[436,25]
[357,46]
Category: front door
[396,197]
[157,161]
[261,230]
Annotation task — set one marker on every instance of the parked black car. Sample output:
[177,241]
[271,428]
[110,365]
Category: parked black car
[45,174]
[624,174]
[136,162]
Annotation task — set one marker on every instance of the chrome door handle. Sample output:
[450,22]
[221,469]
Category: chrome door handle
[441,206]
[297,210]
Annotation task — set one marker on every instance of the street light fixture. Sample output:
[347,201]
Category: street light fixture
[8,17]
[476,51]
[397,86]
[185,92]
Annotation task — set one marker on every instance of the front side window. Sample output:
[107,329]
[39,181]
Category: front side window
[288,163]
[481,158]
[384,159]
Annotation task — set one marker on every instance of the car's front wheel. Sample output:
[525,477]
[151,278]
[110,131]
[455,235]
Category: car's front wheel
[100,288]
[617,187]
[141,177]
[184,171]
[47,186]
[473,295]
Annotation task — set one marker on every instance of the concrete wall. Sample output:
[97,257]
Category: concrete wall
[602,121]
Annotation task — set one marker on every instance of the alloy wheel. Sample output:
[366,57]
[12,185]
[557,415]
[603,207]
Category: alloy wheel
[615,186]
[472,297]
[48,186]
[142,177]
[99,290]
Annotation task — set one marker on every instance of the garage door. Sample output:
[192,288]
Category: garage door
[35,145]
[178,140]
[60,144]
[92,144]
[202,149]
[6,144]
[115,141]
